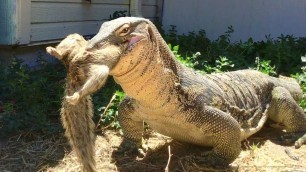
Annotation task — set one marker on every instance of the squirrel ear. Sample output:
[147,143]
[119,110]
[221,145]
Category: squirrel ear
[52,51]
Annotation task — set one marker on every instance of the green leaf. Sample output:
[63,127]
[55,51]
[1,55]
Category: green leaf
[176,48]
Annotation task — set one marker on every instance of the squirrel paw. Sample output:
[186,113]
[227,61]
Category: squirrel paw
[74,99]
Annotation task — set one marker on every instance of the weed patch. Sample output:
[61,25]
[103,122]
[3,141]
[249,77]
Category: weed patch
[30,100]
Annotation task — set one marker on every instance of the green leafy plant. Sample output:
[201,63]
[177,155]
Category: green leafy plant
[222,65]
[109,115]
[284,52]
[189,61]
[265,67]
[29,97]
[301,78]
[118,14]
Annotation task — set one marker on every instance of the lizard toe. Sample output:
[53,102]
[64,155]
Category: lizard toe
[300,141]
[296,138]
[209,161]
[211,158]
[131,146]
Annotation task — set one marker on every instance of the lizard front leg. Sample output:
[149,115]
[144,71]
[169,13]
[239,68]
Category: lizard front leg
[132,126]
[225,135]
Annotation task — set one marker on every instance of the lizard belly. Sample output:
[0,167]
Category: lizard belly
[180,130]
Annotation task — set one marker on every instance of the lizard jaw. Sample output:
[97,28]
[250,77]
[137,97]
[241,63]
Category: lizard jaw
[133,41]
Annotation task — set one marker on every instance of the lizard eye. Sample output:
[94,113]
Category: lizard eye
[124,30]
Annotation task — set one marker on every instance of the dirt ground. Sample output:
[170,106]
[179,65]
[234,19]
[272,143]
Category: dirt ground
[51,153]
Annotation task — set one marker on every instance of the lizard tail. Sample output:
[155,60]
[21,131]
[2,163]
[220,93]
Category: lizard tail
[247,132]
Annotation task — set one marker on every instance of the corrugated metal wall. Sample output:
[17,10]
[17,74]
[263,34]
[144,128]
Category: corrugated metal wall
[249,18]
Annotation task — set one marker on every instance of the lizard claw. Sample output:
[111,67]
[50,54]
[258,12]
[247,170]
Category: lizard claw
[297,138]
[131,146]
[211,158]
[209,161]
[300,141]
[74,99]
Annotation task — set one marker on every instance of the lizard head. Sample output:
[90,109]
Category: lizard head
[131,34]
[124,32]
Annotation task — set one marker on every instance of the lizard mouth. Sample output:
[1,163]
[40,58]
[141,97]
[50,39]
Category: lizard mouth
[133,41]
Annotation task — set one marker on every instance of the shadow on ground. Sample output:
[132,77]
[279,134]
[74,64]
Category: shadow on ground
[177,154]
[262,152]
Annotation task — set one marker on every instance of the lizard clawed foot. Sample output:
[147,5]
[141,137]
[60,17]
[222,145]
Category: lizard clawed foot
[131,146]
[209,161]
[211,158]
[298,138]
[74,99]
[300,141]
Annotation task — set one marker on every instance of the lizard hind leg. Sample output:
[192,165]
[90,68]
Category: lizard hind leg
[285,110]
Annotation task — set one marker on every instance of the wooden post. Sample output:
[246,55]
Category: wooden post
[159,11]
[15,22]
[135,8]
[23,21]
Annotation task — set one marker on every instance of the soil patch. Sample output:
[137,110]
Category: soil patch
[262,152]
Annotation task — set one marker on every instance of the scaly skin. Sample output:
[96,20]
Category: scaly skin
[217,110]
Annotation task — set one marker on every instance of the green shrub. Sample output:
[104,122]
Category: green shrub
[284,52]
[265,67]
[223,64]
[189,61]
[301,78]
[30,100]
[29,97]
[108,114]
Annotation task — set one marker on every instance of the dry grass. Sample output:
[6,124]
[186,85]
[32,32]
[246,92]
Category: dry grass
[28,152]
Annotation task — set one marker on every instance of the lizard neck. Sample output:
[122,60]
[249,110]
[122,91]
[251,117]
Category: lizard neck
[148,83]
[151,81]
